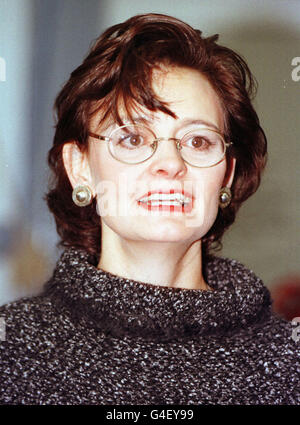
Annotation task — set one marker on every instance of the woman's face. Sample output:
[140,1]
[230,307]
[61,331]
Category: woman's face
[119,186]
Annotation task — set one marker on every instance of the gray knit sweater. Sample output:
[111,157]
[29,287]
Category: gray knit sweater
[95,338]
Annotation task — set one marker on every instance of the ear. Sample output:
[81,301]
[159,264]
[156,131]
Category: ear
[228,179]
[76,165]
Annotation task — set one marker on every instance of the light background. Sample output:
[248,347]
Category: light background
[42,41]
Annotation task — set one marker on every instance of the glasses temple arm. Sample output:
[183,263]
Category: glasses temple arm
[97,136]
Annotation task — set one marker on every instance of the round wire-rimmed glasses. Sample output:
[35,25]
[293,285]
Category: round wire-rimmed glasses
[201,147]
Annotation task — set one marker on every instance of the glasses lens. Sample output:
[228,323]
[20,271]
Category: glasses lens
[202,147]
[132,143]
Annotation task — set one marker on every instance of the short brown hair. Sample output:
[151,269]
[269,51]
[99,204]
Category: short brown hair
[119,68]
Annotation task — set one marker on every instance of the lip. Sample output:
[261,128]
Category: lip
[172,208]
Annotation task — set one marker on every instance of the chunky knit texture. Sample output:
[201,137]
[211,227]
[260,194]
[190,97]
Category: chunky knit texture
[96,338]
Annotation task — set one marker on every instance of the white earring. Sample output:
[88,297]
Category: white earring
[82,196]
[225,197]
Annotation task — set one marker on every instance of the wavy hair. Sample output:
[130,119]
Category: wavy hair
[118,70]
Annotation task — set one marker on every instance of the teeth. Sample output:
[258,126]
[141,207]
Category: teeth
[166,199]
[156,203]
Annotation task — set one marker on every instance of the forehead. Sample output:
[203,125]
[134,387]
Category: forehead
[187,93]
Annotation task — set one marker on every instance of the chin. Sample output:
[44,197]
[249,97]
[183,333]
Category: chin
[169,232]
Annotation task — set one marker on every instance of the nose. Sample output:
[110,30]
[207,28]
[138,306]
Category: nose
[167,161]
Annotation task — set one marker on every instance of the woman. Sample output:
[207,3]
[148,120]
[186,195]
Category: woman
[156,147]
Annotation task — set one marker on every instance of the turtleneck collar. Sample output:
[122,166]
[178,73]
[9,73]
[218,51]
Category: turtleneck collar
[120,306]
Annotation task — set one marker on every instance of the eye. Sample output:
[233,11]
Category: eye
[198,142]
[202,141]
[132,140]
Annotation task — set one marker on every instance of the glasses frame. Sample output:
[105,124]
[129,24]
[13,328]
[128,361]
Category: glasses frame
[154,145]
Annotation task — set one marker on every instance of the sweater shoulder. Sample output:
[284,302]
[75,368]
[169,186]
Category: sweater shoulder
[284,330]
[226,265]
[32,347]
[27,309]
[32,321]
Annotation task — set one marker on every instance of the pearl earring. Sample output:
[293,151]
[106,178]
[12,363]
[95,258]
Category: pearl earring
[225,197]
[82,196]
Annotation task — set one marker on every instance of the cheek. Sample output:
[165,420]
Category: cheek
[212,189]
[104,169]
[111,181]
[210,181]
[104,181]
[208,188]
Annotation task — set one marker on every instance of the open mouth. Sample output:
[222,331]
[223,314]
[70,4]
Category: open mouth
[171,201]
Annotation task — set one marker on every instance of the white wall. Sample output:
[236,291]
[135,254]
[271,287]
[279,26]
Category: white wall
[41,41]
[16,49]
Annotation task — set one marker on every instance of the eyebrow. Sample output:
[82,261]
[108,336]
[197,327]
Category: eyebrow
[149,120]
[185,121]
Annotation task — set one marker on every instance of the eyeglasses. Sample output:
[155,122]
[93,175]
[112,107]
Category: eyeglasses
[135,143]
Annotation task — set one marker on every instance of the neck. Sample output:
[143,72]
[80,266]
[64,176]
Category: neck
[159,263]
